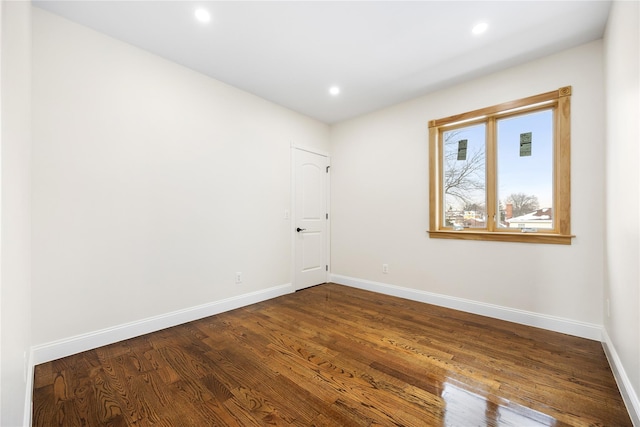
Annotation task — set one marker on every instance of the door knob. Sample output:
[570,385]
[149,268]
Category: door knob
[300,229]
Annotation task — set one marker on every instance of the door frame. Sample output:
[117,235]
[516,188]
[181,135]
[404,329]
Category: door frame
[294,149]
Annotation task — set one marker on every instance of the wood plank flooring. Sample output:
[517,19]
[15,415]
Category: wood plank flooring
[335,356]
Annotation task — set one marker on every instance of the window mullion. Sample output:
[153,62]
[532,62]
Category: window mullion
[491,168]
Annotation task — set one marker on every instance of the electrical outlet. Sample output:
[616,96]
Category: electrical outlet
[385,268]
[238,277]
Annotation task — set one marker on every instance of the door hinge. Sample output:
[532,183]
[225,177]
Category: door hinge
[326,268]
[328,169]
[327,217]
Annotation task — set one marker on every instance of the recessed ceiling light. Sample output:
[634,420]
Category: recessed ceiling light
[479,28]
[203,15]
[334,90]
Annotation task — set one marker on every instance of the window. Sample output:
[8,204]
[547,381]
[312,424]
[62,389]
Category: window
[502,173]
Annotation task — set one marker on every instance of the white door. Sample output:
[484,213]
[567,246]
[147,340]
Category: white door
[310,218]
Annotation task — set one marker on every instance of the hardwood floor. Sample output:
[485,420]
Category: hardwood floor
[335,356]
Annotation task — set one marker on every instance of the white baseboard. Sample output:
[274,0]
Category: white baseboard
[28,399]
[65,347]
[552,323]
[629,395]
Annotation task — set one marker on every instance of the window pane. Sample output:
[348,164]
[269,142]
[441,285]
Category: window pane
[464,177]
[525,171]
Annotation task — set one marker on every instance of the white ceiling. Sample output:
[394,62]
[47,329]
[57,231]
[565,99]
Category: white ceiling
[378,52]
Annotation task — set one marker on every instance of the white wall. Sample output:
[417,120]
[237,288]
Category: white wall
[152,184]
[380,199]
[622,254]
[15,149]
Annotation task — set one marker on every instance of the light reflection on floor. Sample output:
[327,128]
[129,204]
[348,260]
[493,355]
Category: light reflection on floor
[464,407]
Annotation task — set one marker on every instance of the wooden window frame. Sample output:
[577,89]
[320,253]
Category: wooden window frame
[560,100]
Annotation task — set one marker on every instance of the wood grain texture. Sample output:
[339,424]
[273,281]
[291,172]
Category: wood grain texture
[335,356]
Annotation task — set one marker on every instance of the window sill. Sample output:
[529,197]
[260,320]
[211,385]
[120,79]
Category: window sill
[548,238]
